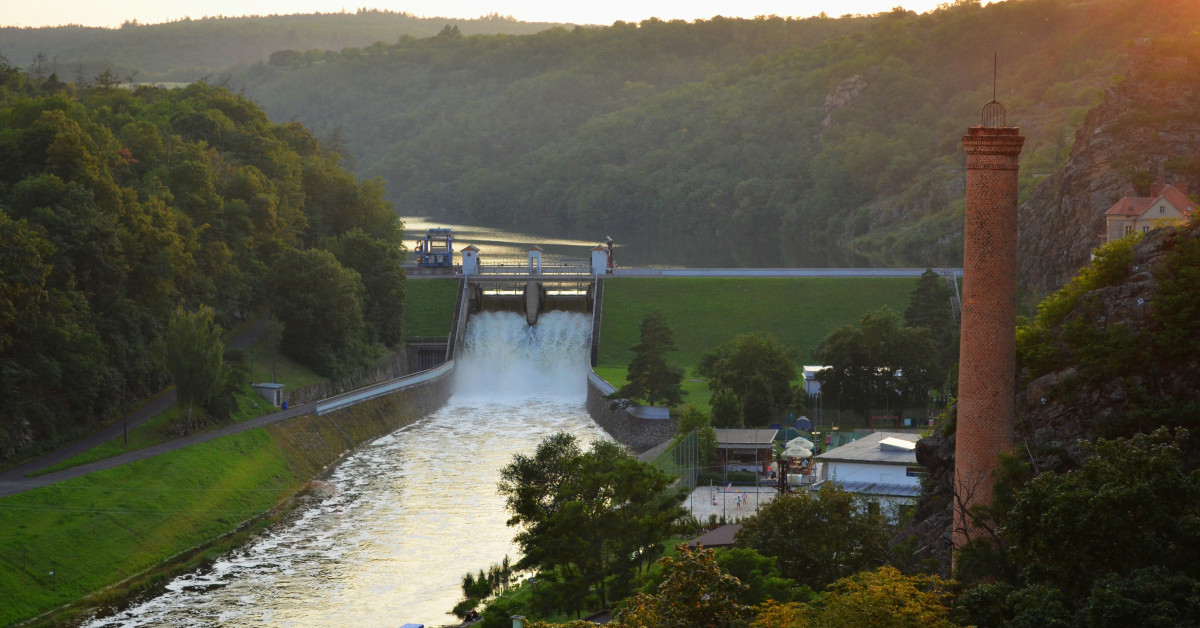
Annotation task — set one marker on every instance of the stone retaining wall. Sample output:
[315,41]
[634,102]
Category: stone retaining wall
[319,441]
[636,434]
[396,364]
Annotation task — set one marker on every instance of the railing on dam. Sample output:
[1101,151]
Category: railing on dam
[522,266]
[781,272]
[371,392]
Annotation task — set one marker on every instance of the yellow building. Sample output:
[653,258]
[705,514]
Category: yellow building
[1167,204]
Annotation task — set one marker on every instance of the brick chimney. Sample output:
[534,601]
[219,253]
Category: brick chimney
[987,353]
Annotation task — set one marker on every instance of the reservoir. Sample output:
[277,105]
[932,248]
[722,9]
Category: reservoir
[389,533]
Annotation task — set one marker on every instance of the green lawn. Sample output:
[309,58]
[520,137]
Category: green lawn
[64,541]
[706,312]
[429,306]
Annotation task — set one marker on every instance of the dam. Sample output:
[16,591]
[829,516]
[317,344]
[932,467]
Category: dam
[387,536]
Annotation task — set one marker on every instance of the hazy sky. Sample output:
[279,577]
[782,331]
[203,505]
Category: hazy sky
[102,13]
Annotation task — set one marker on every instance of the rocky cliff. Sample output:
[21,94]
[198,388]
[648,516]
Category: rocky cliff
[1147,129]
[1112,355]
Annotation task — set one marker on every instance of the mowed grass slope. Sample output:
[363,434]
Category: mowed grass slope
[707,312]
[67,540]
[429,306]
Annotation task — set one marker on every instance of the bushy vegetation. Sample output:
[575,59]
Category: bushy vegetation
[117,207]
[1152,359]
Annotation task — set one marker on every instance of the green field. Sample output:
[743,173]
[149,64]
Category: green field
[429,306]
[70,539]
[706,312]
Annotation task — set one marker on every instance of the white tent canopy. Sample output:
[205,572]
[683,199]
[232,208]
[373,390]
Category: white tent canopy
[799,441]
[797,451]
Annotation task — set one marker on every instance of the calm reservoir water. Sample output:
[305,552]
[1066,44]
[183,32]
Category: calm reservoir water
[396,525]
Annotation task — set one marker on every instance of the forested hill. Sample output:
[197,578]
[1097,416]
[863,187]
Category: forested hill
[191,49]
[118,209]
[740,142]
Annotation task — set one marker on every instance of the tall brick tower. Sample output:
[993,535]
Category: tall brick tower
[987,353]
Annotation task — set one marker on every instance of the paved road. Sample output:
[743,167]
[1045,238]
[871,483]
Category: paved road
[12,486]
[14,480]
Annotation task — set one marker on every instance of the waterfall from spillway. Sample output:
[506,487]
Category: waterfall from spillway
[506,357]
[394,527]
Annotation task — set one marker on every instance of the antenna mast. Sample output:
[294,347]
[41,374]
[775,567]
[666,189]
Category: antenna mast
[995,66]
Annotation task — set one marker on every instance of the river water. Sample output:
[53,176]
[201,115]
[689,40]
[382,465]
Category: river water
[393,528]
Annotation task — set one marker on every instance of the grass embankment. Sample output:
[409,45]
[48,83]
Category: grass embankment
[429,306]
[77,538]
[65,541]
[165,426]
[706,312]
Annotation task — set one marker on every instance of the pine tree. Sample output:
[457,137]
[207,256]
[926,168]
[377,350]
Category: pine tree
[650,377]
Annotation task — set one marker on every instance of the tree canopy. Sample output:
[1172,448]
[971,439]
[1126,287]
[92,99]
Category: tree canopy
[118,207]
[757,371]
[817,537]
[877,363]
[586,519]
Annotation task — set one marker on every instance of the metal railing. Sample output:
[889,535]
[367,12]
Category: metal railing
[371,392]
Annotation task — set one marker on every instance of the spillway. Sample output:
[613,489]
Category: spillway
[389,534]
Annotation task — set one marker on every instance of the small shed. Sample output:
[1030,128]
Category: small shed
[750,449]
[470,260]
[535,260]
[272,392]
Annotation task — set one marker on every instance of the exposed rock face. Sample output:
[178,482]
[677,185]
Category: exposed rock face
[842,96]
[1057,410]
[1142,123]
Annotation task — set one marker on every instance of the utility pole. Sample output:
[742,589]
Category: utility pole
[125,411]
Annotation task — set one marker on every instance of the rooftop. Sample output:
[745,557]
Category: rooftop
[880,489]
[872,449]
[761,437]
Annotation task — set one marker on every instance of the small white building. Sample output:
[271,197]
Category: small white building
[470,260]
[880,466]
[811,385]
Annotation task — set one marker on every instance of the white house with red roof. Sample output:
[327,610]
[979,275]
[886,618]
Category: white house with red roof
[1167,204]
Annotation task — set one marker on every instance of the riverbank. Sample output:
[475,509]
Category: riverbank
[137,523]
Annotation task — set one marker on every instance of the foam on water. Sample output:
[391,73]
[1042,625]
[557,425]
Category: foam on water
[400,521]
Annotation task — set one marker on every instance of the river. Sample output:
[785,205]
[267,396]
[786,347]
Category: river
[394,527]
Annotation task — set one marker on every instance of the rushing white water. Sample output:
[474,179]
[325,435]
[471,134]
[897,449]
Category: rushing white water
[404,517]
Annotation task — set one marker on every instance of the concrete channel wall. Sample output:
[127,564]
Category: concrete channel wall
[627,429]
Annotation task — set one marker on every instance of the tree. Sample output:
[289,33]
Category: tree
[381,265]
[694,419]
[586,519]
[1112,541]
[1132,504]
[650,377]
[726,409]
[319,301]
[695,592]
[817,537]
[192,352]
[757,371]
[885,598]
[929,307]
[877,361]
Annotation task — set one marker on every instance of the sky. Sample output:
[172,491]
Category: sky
[112,14]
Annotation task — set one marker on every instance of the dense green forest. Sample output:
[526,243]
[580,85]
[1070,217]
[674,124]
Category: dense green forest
[119,207]
[725,142]
[191,49]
